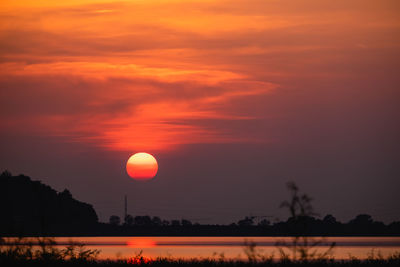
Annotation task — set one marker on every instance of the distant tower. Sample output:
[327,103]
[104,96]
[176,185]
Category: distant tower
[126,207]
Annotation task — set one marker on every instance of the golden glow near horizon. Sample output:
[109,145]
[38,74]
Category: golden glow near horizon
[142,166]
[154,75]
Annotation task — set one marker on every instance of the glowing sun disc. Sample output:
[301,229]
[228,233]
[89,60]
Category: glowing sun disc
[142,166]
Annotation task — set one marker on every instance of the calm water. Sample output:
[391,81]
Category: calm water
[230,247]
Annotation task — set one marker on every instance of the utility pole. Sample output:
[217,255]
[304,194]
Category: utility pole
[126,208]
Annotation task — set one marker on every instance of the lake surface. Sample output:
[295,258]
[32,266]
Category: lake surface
[229,247]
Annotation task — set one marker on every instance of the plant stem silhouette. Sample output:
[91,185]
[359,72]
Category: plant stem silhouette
[302,247]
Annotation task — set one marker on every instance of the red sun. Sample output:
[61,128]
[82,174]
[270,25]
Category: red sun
[142,166]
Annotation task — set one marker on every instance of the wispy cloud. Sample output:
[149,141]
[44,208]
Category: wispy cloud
[158,74]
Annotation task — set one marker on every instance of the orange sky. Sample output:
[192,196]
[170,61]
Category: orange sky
[232,96]
[131,75]
[153,75]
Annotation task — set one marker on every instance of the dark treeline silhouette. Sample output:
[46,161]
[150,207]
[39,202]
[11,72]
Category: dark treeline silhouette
[361,225]
[30,208]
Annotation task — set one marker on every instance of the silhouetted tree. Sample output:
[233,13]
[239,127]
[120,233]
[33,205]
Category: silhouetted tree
[128,220]
[394,227]
[248,221]
[175,223]
[362,219]
[364,223]
[30,207]
[5,174]
[115,220]
[156,221]
[264,222]
[301,212]
[329,219]
[186,222]
[142,220]
[66,194]
[298,205]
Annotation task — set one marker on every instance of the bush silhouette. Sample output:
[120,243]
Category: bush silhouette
[31,207]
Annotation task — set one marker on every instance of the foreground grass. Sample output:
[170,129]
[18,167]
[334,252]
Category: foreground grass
[139,260]
[198,263]
[43,252]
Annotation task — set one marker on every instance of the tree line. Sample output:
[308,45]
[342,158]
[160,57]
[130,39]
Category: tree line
[31,208]
[362,224]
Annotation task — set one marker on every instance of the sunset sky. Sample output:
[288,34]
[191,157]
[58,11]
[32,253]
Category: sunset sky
[234,98]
